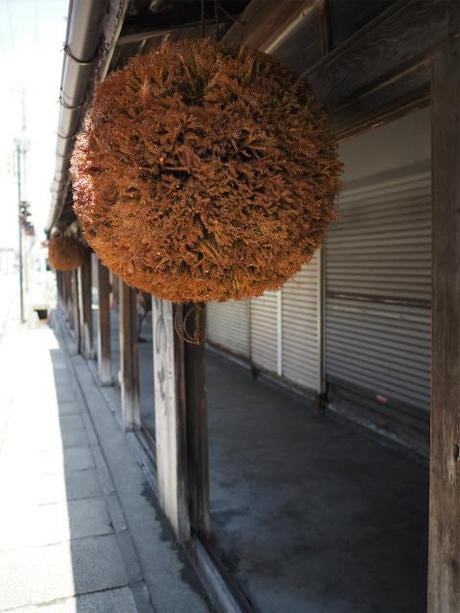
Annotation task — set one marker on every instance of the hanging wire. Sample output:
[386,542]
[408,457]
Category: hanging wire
[189,327]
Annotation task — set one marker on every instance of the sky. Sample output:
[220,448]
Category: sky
[32,35]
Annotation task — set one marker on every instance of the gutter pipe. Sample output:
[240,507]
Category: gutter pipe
[80,54]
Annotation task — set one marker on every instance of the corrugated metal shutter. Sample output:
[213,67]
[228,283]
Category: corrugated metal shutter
[227,325]
[265,331]
[279,331]
[301,362]
[378,288]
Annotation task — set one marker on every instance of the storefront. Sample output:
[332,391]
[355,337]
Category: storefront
[367,331]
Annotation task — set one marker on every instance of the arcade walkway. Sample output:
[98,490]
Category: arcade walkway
[308,514]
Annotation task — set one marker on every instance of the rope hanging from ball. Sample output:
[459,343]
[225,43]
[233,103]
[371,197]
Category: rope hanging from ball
[205,173]
[65,253]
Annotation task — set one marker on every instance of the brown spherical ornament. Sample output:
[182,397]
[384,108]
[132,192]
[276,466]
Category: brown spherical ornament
[204,173]
[65,253]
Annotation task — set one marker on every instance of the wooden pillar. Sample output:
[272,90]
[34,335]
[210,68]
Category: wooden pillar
[68,297]
[170,421]
[104,349]
[444,529]
[59,289]
[115,284]
[129,358]
[86,314]
[180,424]
[197,426]
[75,308]
[62,286]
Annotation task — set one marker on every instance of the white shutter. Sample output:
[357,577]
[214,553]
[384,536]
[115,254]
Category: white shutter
[227,325]
[378,288]
[279,331]
[301,360]
[264,331]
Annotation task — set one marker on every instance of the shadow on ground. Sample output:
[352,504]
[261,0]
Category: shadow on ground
[98,572]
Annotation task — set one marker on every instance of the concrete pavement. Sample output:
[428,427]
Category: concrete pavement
[80,531]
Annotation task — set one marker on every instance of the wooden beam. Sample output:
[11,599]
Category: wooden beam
[400,37]
[86,315]
[378,74]
[178,16]
[129,359]
[104,349]
[444,530]
[386,102]
[188,29]
[170,417]
[263,21]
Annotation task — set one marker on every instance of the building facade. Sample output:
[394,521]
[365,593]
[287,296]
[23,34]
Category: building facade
[368,331]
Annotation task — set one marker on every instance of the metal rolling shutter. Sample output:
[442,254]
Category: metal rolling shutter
[227,325]
[378,289]
[279,331]
[300,327]
[264,331]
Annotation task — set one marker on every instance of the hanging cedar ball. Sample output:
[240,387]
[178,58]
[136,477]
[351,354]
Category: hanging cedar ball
[204,173]
[65,253]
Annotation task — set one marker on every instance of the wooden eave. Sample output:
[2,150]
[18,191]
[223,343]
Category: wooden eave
[378,73]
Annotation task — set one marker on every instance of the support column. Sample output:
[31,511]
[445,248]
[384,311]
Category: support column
[115,288]
[86,314]
[444,529]
[180,423]
[59,289]
[197,426]
[104,349]
[75,307]
[129,359]
[68,297]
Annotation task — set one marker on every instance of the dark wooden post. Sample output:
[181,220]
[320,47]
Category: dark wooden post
[115,287]
[104,349]
[129,358]
[68,297]
[444,539]
[197,424]
[180,423]
[62,285]
[75,305]
[59,288]
[86,314]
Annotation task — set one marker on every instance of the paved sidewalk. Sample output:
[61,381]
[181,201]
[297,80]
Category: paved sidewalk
[79,531]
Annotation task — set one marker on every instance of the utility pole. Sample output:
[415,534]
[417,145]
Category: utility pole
[19,154]
[23,207]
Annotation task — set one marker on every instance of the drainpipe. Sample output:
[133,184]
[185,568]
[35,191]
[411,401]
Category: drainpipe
[80,54]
